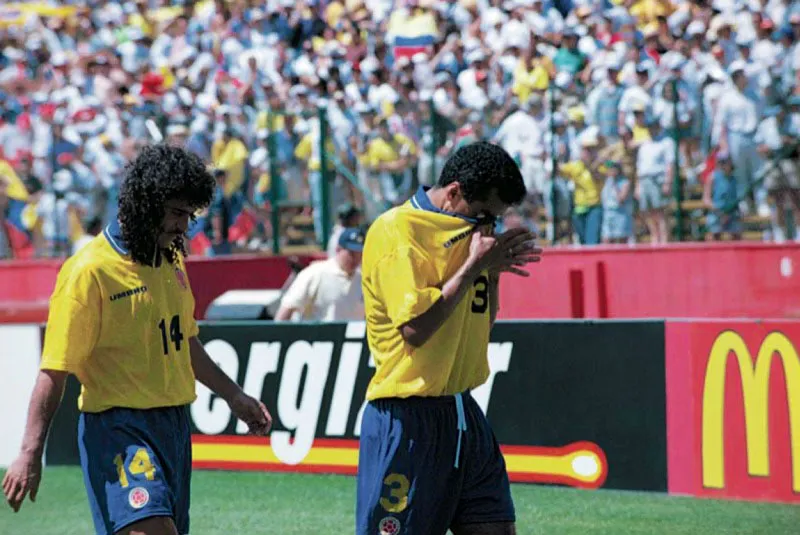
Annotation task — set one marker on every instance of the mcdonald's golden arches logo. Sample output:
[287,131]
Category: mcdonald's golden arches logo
[755,381]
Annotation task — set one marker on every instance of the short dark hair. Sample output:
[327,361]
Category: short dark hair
[158,174]
[482,167]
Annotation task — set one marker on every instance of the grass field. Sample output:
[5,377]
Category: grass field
[229,503]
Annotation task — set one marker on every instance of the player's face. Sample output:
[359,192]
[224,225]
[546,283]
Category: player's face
[176,221]
[492,208]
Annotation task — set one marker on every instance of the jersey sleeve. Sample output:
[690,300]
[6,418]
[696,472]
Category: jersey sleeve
[402,281]
[73,322]
[193,329]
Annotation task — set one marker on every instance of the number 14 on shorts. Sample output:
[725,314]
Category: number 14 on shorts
[139,464]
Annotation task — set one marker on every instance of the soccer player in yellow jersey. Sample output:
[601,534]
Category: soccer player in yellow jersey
[428,460]
[122,321]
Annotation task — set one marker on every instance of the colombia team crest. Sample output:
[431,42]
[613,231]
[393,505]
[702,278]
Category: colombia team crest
[181,277]
[138,497]
[389,526]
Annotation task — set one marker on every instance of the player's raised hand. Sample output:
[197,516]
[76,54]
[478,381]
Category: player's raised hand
[252,412]
[506,252]
[22,477]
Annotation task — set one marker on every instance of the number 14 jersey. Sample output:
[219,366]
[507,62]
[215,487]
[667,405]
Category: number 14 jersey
[409,253]
[122,328]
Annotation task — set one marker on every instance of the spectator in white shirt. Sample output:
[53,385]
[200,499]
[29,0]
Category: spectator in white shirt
[654,181]
[737,118]
[328,290]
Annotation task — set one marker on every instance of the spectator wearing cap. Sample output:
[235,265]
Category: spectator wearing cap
[569,58]
[617,201]
[603,103]
[347,216]
[623,152]
[177,134]
[588,212]
[777,139]
[721,198]
[330,289]
[638,94]
[57,211]
[533,71]
[736,121]
[675,114]
[520,134]
[654,160]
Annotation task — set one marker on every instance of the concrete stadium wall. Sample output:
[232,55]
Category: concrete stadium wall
[640,405]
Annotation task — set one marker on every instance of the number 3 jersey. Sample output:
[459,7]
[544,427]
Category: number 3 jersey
[409,253]
[122,328]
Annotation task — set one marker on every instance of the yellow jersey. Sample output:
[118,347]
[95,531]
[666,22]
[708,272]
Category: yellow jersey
[308,151]
[122,328]
[409,253]
[587,190]
[381,151]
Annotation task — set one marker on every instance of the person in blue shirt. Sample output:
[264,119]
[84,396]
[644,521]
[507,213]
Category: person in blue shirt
[722,199]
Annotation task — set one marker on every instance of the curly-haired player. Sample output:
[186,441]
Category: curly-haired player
[122,321]
[428,459]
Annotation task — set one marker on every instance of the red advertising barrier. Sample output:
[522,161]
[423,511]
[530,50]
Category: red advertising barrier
[727,280]
[733,409]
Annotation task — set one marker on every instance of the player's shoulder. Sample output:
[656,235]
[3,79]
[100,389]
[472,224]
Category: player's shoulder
[80,273]
[392,228]
[318,266]
[90,257]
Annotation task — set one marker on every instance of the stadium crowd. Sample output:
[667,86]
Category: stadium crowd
[598,100]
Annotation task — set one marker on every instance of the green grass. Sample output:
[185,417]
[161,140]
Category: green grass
[229,503]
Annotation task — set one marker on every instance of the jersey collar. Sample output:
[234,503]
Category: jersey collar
[421,201]
[113,234]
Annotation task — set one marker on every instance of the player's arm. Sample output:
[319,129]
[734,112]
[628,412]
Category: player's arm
[487,253]
[25,472]
[419,329]
[250,410]
[73,326]
[297,297]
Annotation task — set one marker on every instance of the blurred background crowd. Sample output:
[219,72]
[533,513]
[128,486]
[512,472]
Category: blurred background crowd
[631,120]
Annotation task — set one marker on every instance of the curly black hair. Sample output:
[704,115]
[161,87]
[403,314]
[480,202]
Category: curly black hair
[159,173]
[482,167]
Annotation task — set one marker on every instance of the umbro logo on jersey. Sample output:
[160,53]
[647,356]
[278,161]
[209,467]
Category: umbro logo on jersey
[457,238]
[129,293]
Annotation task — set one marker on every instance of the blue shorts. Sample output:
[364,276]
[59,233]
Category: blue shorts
[426,464]
[136,464]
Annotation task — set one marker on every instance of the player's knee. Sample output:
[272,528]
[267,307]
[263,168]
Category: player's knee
[494,528]
[156,525]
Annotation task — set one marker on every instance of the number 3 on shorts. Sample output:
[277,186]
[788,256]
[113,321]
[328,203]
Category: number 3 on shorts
[398,493]
[140,464]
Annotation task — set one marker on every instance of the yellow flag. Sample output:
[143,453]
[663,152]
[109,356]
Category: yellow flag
[232,157]
[16,189]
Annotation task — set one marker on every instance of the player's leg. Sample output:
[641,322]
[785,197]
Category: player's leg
[406,479]
[127,469]
[485,505]
[155,525]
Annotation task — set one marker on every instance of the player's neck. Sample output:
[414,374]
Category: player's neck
[438,198]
